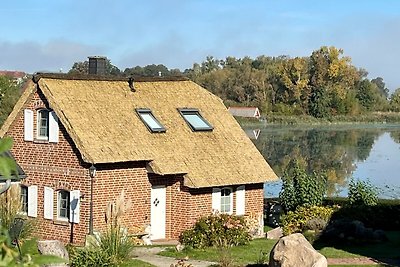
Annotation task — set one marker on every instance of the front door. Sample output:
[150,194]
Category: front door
[158,206]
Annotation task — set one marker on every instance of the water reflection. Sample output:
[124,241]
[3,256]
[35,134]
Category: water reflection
[340,151]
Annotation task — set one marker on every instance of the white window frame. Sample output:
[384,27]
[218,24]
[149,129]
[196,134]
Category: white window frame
[195,112]
[145,111]
[38,124]
[59,217]
[230,200]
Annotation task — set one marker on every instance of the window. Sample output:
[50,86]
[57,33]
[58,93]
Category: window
[24,199]
[63,205]
[43,124]
[226,200]
[150,120]
[194,119]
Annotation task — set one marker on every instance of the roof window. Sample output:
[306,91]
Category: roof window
[150,120]
[194,119]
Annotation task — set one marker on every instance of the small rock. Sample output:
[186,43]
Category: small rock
[275,233]
[180,247]
[53,247]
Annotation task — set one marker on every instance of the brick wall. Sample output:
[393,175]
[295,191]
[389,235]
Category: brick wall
[55,165]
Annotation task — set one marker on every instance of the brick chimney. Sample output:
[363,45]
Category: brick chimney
[97,65]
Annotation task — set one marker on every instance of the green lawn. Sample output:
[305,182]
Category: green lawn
[259,249]
[136,263]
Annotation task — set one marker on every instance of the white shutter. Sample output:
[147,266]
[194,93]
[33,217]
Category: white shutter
[53,127]
[32,200]
[216,199]
[48,203]
[74,197]
[28,125]
[240,200]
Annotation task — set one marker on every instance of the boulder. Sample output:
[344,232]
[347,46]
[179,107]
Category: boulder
[53,247]
[294,250]
[275,233]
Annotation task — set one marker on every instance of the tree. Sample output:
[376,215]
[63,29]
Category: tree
[9,94]
[383,91]
[395,101]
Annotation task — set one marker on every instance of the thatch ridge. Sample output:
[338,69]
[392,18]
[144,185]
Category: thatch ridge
[92,77]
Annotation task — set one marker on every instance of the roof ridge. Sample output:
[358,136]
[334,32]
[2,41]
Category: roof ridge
[65,76]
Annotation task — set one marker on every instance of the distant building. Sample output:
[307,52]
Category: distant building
[247,112]
[17,76]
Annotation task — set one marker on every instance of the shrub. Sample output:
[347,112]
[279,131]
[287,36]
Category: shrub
[220,230]
[306,218]
[300,188]
[362,193]
[90,257]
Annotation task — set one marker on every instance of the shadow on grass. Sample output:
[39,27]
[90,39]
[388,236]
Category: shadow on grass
[358,230]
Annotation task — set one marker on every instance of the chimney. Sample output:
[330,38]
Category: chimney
[97,65]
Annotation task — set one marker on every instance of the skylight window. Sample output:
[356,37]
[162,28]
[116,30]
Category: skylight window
[194,119]
[150,120]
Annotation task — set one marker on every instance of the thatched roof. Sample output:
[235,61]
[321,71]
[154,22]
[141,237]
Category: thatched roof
[100,117]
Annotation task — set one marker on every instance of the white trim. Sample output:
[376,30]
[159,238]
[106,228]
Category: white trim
[48,203]
[216,200]
[53,127]
[74,202]
[32,200]
[240,200]
[28,125]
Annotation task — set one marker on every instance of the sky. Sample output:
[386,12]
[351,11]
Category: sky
[50,35]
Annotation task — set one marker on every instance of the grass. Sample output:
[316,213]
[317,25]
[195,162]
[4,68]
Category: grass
[136,263]
[258,248]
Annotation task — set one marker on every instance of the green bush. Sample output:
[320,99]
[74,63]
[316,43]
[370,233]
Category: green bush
[362,193]
[90,257]
[300,188]
[306,218]
[220,230]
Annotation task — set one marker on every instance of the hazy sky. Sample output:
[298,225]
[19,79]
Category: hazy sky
[38,35]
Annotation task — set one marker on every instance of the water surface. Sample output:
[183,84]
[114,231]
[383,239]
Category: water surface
[365,152]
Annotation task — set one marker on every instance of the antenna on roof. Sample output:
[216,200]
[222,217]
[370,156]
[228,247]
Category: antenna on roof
[131,84]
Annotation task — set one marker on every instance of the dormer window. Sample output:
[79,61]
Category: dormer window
[194,119]
[150,120]
[43,124]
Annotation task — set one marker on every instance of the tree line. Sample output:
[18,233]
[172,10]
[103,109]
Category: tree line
[321,85]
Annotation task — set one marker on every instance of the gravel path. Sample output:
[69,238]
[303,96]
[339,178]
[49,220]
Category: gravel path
[149,255]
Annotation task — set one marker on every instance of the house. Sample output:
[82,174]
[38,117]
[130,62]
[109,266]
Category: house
[247,112]
[170,144]
[17,76]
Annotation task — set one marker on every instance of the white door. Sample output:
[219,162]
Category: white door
[158,206]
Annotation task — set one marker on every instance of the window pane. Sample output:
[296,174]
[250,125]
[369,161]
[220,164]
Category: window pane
[226,200]
[63,204]
[24,199]
[151,122]
[43,123]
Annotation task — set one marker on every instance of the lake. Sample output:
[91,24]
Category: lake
[366,152]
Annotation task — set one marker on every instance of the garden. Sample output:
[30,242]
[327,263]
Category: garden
[360,230]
